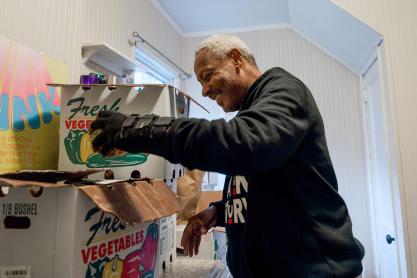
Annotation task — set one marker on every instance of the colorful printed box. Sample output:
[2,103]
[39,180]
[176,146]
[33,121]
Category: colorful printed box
[79,107]
[78,230]
[29,110]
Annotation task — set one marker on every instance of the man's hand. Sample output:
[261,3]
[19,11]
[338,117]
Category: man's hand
[197,226]
[110,123]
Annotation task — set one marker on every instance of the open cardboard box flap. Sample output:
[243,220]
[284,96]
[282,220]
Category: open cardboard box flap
[139,201]
[132,201]
[43,178]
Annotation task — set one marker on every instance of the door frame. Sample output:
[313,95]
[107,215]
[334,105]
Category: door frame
[367,152]
[394,162]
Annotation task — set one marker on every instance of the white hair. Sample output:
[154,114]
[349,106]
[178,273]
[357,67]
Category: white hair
[222,44]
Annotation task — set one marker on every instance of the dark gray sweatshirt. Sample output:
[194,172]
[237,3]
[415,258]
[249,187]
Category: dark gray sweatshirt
[283,214]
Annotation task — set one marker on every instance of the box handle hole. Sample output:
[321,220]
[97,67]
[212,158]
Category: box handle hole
[17,222]
[4,190]
[36,191]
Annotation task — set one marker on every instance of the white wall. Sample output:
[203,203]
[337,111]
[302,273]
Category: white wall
[59,27]
[336,90]
[395,20]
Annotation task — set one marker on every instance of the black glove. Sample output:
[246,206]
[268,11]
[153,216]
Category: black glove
[132,133]
[110,124]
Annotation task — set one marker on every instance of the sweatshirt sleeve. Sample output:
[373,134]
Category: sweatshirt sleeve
[257,140]
[220,207]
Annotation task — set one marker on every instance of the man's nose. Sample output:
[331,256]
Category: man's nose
[205,90]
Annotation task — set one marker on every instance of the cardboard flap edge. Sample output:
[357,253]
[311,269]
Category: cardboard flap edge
[132,203]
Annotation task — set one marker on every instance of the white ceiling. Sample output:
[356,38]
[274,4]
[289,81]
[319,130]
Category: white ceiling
[341,35]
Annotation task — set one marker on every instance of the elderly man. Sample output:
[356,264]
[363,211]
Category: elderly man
[281,209]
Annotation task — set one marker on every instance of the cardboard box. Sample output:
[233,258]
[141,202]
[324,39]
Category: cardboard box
[167,251]
[80,107]
[220,244]
[213,245]
[208,197]
[82,229]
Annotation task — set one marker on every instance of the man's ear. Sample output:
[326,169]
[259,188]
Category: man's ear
[236,57]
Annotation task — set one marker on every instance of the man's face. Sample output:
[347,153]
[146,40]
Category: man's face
[221,80]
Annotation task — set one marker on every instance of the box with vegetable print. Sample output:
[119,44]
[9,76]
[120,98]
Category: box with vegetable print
[57,224]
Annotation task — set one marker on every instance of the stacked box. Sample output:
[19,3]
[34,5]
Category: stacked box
[79,107]
[213,245]
[78,230]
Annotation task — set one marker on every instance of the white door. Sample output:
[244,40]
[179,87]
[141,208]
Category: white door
[381,187]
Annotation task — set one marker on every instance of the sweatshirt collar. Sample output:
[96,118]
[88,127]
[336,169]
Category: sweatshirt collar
[252,88]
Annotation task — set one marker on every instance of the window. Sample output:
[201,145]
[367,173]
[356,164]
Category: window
[142,77]
[152,70]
